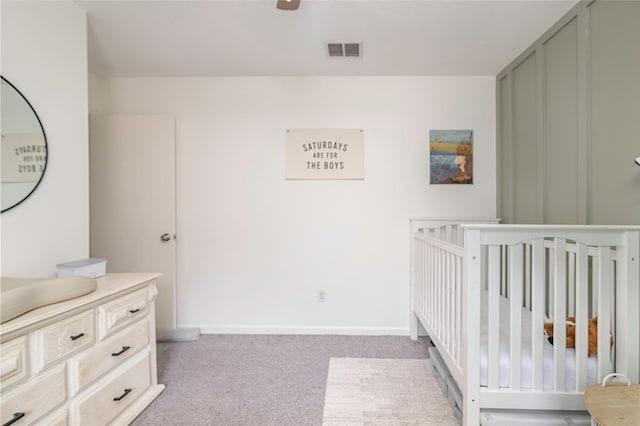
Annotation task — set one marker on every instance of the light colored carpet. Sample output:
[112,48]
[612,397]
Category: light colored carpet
[245,380]
[363,391]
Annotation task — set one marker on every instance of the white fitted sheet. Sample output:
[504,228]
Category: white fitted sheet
[570,364]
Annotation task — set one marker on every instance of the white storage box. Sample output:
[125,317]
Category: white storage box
[455,398]
[534,418]
[92,267]
[439,369]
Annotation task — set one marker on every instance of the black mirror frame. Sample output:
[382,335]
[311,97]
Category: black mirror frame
[46,144]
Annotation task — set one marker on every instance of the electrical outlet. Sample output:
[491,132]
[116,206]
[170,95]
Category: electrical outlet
[322,296]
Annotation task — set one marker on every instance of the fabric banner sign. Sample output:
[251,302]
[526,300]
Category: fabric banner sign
[324,154]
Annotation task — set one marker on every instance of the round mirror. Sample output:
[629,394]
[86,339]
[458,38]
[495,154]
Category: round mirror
[24,147]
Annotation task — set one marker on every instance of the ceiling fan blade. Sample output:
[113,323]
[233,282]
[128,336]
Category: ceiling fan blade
[288,4]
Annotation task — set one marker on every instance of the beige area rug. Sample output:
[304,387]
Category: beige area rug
[367,391]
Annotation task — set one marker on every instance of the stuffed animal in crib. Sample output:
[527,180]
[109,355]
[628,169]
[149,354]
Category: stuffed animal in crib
[571,334]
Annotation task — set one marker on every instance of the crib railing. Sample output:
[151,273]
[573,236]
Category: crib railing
[549,271]
[552,279]
[438,294]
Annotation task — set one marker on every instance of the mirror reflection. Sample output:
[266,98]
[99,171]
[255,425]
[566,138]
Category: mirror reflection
[24,147]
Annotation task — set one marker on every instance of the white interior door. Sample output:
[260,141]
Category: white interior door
[132,172]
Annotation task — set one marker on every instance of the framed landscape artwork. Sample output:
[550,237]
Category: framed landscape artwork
[451,156]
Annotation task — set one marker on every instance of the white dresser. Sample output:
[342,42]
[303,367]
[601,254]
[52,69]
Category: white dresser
[87,361]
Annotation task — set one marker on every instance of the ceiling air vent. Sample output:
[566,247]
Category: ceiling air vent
[335,49]
[352,49]
[341,50]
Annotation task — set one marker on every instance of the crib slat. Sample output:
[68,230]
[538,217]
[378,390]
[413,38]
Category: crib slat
[426,273]
[437,288]
[429,293]
[582,306]
[559,313]
[417,266]
[458,327]
[503,274]
[515,311]
[417,279]
[571,280]
[595,285]
[440,289]
[426,276]
[421,280]
[527,276]
[604,311]
[447,301]
[451,301]
[429,289]
[493,317]
[537,314]
[550,280]
[427,282]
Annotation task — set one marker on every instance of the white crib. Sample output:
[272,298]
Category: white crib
[482,292]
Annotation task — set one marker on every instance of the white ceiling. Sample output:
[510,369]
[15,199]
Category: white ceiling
[149,38]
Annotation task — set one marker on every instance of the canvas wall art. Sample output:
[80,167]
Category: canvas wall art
[451,156]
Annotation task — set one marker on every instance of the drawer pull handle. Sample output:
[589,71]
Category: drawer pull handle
[124,349]
[126,392]
[15,418]
[77,336]
[133,311]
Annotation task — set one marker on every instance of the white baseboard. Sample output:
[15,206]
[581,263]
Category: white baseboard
[304,330]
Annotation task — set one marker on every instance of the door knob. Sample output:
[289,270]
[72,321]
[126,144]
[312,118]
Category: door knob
[165,238]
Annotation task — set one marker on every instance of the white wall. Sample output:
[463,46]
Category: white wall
[44,54]
[253,248]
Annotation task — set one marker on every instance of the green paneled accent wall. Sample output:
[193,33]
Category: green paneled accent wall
[568,110]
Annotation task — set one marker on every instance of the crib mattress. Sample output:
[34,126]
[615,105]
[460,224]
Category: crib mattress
[570,363]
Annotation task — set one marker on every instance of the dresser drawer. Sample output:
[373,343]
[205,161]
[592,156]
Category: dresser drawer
[57,419]
[105,402]
[13,362]
[36,398]
[64,337]
[109,354]
[118,313]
